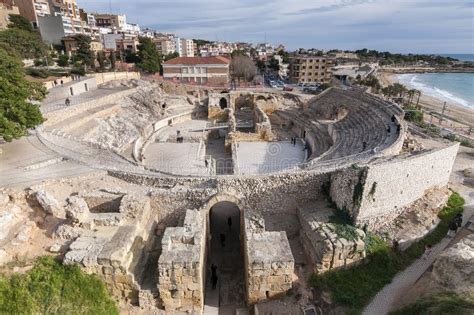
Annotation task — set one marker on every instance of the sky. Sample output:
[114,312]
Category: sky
[405,26]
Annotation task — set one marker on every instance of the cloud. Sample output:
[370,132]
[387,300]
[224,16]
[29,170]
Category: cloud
[425,26]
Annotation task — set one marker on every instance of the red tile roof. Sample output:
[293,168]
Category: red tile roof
[219,60]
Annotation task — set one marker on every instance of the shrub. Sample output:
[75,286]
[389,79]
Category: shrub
[37,73]
[78,70]
[356,286]
[442,303]
[51,288]
[63,61]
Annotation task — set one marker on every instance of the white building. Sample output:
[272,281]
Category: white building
[185,47]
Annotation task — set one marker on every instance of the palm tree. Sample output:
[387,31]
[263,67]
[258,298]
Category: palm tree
[411,94]
[419,95]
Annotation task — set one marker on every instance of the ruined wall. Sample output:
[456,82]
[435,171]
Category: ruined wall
[377,193]
[279,193]
[181,265]
[113,253]
[327,247]
[397,183]
[269,269]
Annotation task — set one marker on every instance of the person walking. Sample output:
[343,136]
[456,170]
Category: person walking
[453,228]
[214,276]
[67,101]
[62,82]
[428,250]
[222,236]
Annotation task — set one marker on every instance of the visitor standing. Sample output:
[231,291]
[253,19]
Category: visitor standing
[428,250]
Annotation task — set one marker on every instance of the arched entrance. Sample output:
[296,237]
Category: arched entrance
[225,256]
[223,103]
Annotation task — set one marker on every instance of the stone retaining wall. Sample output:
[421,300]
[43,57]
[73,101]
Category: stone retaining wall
[377,192]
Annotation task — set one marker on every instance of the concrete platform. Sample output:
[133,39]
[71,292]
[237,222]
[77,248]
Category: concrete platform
[267,157]
[177,158]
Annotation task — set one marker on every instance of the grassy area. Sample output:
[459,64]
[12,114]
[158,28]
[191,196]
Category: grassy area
[440,304]
[51,288]
[355,287]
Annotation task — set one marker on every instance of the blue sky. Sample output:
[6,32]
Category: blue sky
[418,26]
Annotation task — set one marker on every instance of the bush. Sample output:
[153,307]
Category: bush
[38,62]
[37,73]
[440,304]
[63,61]
[51,288]
[78,70]
[356,286]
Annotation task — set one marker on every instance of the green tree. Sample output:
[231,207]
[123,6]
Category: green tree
[131,57]
[101,60]
[20,22]
[84,52]
[274,64]
[285,56]
[17,114]
[171,56]
[148,55]
[113,60]
[63,61]
[26,44]
[261,65]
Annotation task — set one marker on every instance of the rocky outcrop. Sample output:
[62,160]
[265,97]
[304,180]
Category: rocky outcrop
[454,268]
[50,205]
[77,210]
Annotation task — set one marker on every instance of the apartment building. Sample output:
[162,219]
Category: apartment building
[185,47]
[64,20]
[31,9]
[5,11]
[310,69]
[199,70]
[112,21]
[165,45]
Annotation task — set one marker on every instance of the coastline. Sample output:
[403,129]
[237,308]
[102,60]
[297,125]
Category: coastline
[454,111]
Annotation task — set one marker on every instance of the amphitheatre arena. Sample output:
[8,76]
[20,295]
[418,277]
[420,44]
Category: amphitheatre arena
[156,182]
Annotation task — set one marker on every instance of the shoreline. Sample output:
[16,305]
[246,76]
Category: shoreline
[454,111]
[419,70]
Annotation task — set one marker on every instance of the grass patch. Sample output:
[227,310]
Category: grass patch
[356,286]
[53,288]
[439,304]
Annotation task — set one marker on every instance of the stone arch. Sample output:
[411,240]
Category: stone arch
[223,103]
[223,197]
[216,213]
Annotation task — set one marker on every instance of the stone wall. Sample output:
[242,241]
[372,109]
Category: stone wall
[111,248]
[324,244]
[181,265]
[269,262]
[77,87]
[377,193]
[279,193]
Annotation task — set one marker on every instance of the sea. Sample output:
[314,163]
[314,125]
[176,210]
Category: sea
[451,87]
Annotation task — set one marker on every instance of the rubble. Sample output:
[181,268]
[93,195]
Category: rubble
[50,205]
[454,268]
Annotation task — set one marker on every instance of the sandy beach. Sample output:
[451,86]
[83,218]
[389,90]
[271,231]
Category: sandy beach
[454,111]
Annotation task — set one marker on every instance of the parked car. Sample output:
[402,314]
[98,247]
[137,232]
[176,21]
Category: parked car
[287,88]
